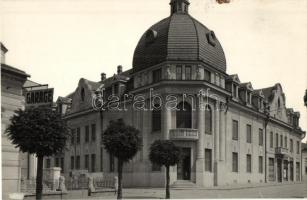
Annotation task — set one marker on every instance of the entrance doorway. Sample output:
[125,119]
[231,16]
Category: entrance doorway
[279,170]
[184,165]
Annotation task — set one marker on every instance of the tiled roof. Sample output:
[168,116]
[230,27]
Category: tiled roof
[178,37]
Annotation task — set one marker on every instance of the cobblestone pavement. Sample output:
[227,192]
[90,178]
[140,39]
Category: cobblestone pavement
[265,191]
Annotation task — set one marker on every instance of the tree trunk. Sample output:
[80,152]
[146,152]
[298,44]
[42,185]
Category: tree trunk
[120,175]
[167,196]
[39,177]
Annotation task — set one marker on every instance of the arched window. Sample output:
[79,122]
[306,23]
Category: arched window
[208,120]
[184,115]
[156,118]
[82,94]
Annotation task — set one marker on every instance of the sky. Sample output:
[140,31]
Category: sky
[58,42]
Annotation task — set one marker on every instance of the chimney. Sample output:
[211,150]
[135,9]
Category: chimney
[103,76]
[119,69]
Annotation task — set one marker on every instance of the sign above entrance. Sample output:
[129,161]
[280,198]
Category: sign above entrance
[39,97]
[183,134]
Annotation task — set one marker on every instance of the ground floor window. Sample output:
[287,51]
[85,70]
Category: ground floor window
[48,165]
[78,162]
[155,167]
[248,163]
[101,159]
[271,169]
[93,163]
[208,160]
[291,170]
[86,161]
[235,162]
[111,163]
[72,162]
[62,165]
[285,172]
[298,171]
[260,164]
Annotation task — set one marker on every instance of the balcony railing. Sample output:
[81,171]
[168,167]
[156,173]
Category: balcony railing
[183,134]
[281,150]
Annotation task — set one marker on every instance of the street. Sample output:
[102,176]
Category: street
[265,191]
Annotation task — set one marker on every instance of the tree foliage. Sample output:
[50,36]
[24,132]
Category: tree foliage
[38,131]
[121,140]
[164,152]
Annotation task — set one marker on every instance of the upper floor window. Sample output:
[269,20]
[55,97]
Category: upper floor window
[291,145]
[235,130]
[208,120]
[93,132]
[87,133]
[298,147]
[179,72]
[281,141]
[82,94]
[156,119]
[276,138]
[78,135]
[184,115]
[156,75]
[271,140]
[188,75]
[207,75]
[73,135]
[260,137]
[286,142]
[248,133]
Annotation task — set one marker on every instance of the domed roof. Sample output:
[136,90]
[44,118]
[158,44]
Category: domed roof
[179,37]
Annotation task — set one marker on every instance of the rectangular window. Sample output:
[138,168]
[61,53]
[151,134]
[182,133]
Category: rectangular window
[235,130]
[179,72]
[298,147]
[93,163]
[87,133]
[188,73]
[111,162]
[281,141]
[248,163]
[78,162]
[155,167]
[72,162]
[235,162]
[271,170]
[73,135]
[286,142]
[93,132]
[271,140]
[291,145]
[260,137]
[298,174]
[62,165]
[101,159]
[276,138]
[57,162]
[208,160]
[156,120]
[207,76]
[78,135]
[248,133]
[86,161]
[48,163]
[260,164]
[156,75]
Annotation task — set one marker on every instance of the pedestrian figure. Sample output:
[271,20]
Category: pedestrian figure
[91,187]
[115,184]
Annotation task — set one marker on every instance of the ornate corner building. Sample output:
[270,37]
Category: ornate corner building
[244,135]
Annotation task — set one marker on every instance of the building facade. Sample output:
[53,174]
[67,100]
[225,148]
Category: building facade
[178,89]
[12,81]
[304,162]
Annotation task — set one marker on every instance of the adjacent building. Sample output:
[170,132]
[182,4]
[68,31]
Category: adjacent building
[304,162]
[179,89]
[12,81]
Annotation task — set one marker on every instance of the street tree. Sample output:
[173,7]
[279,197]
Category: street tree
[165,153]
[123,142]
[40,131]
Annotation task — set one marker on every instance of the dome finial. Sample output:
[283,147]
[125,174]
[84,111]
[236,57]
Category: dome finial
[179,6]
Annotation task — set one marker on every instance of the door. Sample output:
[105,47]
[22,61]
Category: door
[184,165]
[279,171]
